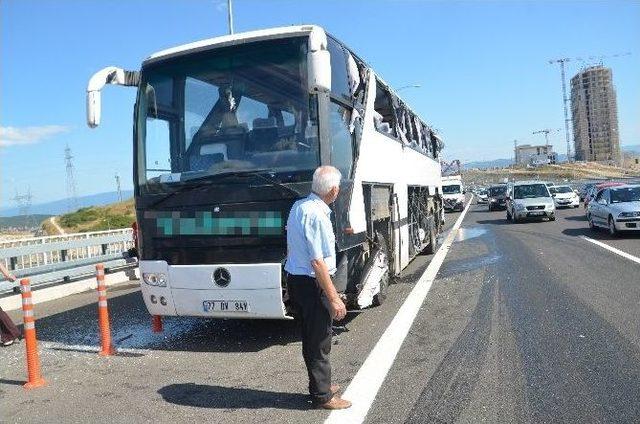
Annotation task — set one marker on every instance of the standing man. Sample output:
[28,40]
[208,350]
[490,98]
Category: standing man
[311,260]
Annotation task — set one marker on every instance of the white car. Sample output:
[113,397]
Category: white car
[616,209]
[564,197]
[483,196]
[529,199]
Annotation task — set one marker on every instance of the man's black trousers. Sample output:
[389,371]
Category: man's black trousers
[311,308]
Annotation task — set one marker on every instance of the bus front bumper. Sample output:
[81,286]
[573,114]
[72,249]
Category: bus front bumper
[250,291]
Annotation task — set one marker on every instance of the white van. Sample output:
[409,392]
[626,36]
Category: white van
[453,193]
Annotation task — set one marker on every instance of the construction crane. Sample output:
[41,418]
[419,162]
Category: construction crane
[565,99]
[451,168]
[546,132]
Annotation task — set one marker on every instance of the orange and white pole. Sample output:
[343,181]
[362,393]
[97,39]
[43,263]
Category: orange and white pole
[156,323]
[31,343]
[106,348]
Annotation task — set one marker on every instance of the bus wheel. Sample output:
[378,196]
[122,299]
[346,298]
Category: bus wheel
[382,245]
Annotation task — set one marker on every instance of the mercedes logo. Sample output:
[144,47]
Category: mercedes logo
[222,277]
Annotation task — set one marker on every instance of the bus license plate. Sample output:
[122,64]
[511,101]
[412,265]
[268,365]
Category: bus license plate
[225,306]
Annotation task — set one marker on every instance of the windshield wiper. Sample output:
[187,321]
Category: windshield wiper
[223,175]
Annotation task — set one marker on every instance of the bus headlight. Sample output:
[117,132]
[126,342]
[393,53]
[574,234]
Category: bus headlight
[155,279]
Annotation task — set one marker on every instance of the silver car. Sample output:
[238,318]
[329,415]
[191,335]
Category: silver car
[616,209]
[482,196]
[529,199]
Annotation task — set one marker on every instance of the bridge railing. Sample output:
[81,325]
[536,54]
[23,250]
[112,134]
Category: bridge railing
[53,258]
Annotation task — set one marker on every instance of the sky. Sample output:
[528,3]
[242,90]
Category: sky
[482,67]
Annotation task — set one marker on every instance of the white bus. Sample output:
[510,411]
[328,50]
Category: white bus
[227,134]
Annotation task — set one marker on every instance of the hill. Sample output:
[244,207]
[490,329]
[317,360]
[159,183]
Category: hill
[631,149]
[61,206]
[565,171]
[95,218]
[503,163]
[19,221]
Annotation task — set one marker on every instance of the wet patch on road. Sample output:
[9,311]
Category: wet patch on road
[466,233]
[479,252]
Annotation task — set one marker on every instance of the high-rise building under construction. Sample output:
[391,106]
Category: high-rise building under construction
[595,115]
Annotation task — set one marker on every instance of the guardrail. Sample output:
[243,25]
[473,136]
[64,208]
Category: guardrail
[54,258]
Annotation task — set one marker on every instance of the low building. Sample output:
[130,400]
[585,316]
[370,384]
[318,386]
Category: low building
[526,154]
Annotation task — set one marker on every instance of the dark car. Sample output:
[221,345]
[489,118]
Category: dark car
[584,190]
[497,197]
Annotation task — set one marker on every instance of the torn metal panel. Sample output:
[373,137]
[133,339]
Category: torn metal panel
[355,116]
[353,73]
[380,203]
[370,285]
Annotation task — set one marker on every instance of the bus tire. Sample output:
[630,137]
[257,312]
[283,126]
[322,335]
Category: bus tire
[381,296]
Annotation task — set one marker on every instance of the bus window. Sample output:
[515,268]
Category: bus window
[417,133]
[158,156]
[384,113]
[200,97]
[339,75]
[341,138]
[426,134]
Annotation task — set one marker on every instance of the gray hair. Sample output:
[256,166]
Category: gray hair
[324,179]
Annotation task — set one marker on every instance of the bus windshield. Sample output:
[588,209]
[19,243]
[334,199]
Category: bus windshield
[241,108]
[451,189]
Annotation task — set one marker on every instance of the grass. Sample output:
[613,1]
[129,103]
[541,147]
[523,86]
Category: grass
[98,218]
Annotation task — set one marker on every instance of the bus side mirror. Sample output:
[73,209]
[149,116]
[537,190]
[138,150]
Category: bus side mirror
[319,67]
[108,75]
[93,108]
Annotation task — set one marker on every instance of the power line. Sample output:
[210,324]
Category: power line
[72,196]
[118,186]
[24,207]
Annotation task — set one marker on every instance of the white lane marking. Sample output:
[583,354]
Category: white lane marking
[613,249]
[365,385]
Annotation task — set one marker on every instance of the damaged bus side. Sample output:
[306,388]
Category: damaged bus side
[391,206]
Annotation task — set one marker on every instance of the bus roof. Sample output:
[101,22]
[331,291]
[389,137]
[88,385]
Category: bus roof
[232,39]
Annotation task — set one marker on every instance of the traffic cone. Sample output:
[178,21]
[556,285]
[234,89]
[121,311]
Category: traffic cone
[31,342]
[106,348]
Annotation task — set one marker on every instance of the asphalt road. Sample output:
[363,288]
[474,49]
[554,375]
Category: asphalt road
[525,323]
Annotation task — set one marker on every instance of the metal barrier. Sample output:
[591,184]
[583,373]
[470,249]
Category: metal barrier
[55,258]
